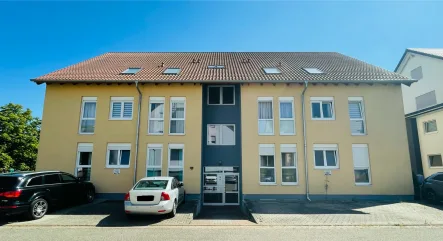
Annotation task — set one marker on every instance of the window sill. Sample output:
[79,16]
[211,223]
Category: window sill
[440,167]
[287,134]
[289,183]
[265,134]
[431,133]
[80,133]
[176,134]
[363,184]
[353,134]
[268,184]
[155,134]
[117,167]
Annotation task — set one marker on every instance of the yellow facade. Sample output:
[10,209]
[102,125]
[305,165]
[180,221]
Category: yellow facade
[430,143]
[60,135]
[386,139]
[386,136]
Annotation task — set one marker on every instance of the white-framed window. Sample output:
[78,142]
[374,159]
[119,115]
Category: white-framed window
[118,155]
[265,116]
[326,156]
[288,164]
[221,95]
[430,126]
[176,158]
[435,161]
[121,108]
[286,112]
[154,160]
[84,161]
[87,115]
[360,156]
[322,108]
[177,116]
[357,115]
[156,115]
[267,163]
[221,134]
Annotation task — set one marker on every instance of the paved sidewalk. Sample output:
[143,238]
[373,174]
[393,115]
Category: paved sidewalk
[105,214]
[333,213]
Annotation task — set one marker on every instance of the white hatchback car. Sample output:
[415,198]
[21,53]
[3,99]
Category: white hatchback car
[155,195]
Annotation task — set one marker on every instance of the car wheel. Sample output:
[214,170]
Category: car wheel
[38,209]
[431,196]
[90,195]
[174,210]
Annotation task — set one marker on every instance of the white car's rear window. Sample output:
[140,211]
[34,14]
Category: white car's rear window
[151,185]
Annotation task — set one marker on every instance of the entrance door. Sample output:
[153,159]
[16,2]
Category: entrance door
[221,186]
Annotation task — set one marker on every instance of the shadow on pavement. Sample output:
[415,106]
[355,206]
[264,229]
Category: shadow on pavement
[221,213]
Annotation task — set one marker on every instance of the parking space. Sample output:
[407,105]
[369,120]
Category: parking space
[105,214]
[334,213]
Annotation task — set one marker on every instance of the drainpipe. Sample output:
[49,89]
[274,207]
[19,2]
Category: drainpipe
[303,116]
[137,131]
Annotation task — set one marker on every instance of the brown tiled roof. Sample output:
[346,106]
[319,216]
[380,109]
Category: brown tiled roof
[239,67]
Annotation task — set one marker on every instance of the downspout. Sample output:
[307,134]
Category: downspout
[303,116]
[137,135]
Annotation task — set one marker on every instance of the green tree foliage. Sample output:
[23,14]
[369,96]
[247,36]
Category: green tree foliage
[19,136]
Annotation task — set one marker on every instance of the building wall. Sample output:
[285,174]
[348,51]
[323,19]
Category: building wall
[386,139]
[432,70]
[59,135]
[430,143]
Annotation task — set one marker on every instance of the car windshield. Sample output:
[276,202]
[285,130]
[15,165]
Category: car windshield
[8,182]
[151,185]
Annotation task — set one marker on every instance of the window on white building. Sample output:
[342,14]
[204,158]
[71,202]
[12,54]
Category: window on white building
[430,126]
[176,161]
[118,155]
[322,108]
[435,161]
[326,156]
[265,116]
[87,118]
[288,164]
[156,115]
[360,155]
[286,111]
[154,160]
[267,163]
[121,108]
[357,115]
[177,116]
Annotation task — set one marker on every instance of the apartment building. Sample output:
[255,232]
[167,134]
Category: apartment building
[230,125]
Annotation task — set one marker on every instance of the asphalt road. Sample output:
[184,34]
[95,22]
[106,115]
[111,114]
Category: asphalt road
[256,233]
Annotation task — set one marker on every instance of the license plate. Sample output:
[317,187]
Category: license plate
[145,198]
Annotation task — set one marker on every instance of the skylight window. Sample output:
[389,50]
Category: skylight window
[173,71]
[272,70]
[313,71]
[216,66]
[131,71]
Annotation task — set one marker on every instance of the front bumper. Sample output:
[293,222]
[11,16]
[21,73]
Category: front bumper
[160,208]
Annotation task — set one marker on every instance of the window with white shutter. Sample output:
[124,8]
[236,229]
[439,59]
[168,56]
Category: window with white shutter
[177,116]
[267,163]
[288,164]
[360,155]
[154,160]
[357,115]
[286,111]
[156,115]
[121,108]
[87,115]
[265,116]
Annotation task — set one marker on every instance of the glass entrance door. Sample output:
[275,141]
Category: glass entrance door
[221,186]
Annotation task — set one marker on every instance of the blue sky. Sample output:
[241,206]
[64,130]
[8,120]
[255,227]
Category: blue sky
[40,37]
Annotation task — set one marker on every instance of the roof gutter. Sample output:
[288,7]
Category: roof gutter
[140,96]
[303,116]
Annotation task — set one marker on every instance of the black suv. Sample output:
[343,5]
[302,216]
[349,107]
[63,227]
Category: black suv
[33,193]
